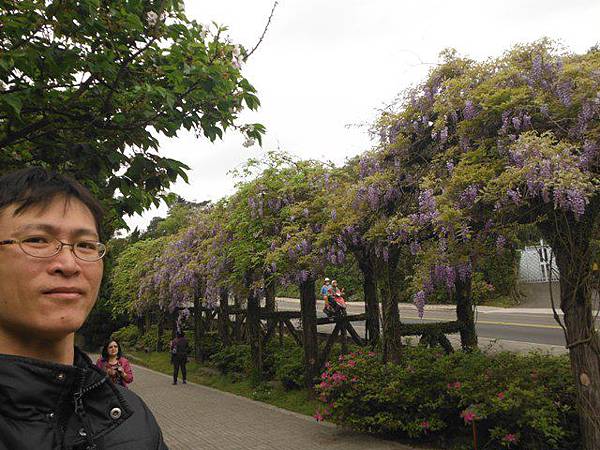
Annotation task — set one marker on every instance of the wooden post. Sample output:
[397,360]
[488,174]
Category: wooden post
[223,318]
[308,309]
[254,336]
[280,326]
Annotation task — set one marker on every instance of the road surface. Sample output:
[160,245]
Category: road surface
[535,328]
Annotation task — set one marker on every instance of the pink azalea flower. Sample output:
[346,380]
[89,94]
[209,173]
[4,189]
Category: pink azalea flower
[317,415]
[425,425]
[341,358]
[323,385]
[511,438]
[339,377]
[351,363]
[327,365]
[324,376]
[501,395]
[468,416]
[371,353]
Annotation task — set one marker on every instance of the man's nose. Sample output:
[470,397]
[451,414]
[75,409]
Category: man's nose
[65,261]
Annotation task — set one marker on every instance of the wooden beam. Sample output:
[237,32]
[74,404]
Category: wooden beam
[329,345]
[293,332]
[355,337]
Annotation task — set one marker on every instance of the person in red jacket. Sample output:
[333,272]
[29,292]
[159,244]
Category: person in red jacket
[115,365]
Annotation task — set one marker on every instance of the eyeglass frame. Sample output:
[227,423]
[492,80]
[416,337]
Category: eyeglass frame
[58,248]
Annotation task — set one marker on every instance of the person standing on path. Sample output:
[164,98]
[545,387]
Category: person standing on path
[115,365]
[179,356]
[53,396]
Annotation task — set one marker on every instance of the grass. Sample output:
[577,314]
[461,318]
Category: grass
[273,393]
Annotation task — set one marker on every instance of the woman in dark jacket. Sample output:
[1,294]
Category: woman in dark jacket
[179,355]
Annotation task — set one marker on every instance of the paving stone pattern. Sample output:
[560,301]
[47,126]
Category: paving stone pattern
[198,417]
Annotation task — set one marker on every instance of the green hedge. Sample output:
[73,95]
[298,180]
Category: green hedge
[514,401]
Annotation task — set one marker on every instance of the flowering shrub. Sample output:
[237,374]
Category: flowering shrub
[514,401]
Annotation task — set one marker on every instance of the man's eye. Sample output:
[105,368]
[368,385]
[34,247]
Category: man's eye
[87,246]
[36,240]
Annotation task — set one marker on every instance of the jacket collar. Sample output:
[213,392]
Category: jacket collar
[32,389]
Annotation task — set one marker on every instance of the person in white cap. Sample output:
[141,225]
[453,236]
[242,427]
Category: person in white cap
[325,288]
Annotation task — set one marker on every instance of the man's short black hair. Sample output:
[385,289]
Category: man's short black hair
[36,186]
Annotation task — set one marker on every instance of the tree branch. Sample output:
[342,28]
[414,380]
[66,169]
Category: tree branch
[263,33]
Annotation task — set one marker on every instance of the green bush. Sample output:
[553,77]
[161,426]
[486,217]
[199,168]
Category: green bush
[289,367]
[235,358]
[127,336]
[149,340]
[210,343]
[515,401]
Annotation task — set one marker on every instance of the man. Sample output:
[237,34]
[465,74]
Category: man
[51,395]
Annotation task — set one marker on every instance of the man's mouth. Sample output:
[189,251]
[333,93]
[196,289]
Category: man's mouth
[64,292]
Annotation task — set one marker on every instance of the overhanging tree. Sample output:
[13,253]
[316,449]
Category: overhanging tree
[86,87]
[520,139]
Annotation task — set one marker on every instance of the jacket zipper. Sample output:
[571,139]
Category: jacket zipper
[80,410]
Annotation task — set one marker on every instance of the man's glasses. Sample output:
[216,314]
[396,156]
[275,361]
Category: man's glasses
[45,247]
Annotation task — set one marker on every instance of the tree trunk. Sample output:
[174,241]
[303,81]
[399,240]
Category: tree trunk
[147,322]
[198,329]
[224,316]
[237,325]
[370,293]
[160,331]
[254,336]
[269,297]
[269,294]
[308,309]
[571,245]
[392,344]
[139,321]
[465,314]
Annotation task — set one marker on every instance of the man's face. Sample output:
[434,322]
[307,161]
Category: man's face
[47,298]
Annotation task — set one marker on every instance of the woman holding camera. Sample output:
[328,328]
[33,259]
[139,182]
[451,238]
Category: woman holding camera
[115,364]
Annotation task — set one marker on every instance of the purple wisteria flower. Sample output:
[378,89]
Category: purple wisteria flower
[467,197]
[419,301]
[469,111]
[563,92]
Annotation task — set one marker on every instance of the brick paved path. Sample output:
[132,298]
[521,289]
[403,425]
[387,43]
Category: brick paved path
[198,417]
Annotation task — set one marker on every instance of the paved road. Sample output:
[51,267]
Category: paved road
[534,328]
[194,417]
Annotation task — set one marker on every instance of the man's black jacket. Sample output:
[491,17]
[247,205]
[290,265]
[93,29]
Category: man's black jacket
[52,406]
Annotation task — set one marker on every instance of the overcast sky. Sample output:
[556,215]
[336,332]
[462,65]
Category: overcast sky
[325,68]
